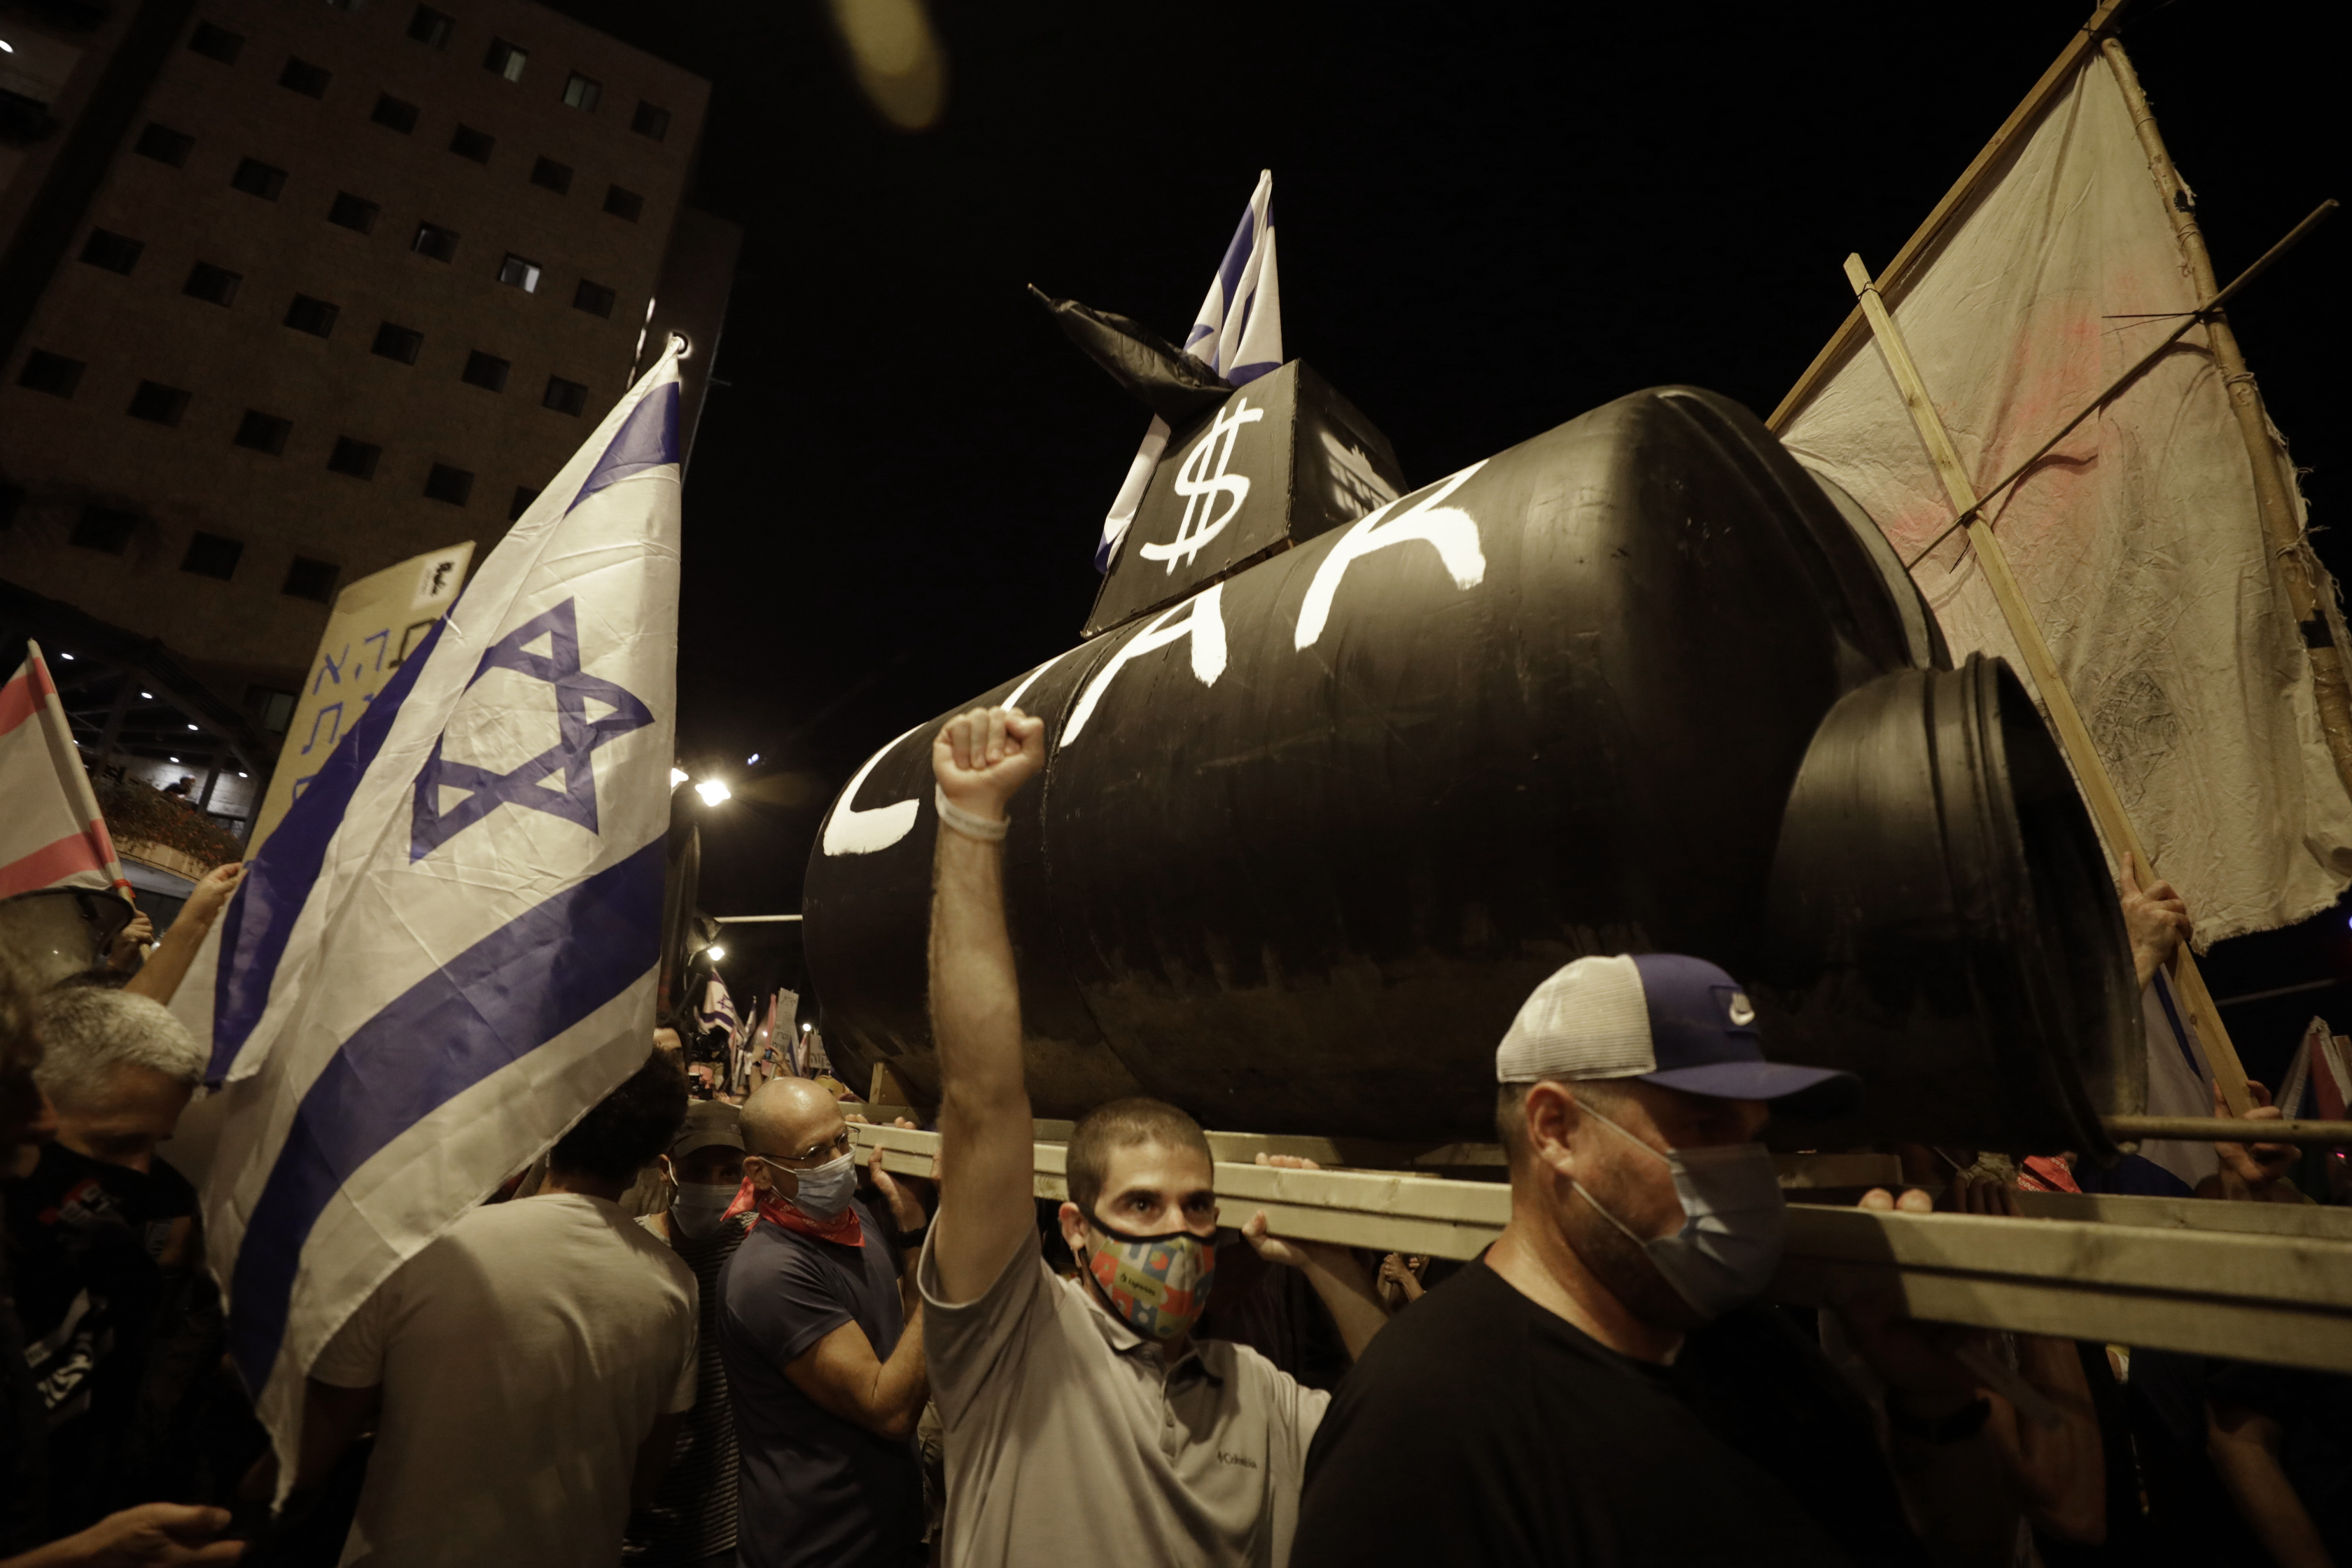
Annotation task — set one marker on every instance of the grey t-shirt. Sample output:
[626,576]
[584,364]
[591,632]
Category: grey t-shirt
[1071,1440]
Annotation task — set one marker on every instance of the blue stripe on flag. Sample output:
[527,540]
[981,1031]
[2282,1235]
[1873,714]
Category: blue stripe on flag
[646,439]
[278,881]
[493,1005]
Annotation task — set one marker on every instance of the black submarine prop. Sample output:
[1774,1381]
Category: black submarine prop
[1339,772]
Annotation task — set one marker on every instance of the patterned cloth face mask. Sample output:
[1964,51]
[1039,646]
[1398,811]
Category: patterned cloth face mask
[1156,1285]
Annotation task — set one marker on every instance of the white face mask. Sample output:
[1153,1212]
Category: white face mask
[699,1207]
[1734,1222]
[825,1191]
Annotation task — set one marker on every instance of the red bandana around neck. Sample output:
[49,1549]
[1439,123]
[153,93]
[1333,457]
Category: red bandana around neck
[843,1228]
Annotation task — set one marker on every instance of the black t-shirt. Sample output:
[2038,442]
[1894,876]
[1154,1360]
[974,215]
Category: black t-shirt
[1481,1429]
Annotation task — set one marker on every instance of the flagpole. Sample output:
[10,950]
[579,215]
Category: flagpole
[1896,280]
[2090,769]
[2308,588]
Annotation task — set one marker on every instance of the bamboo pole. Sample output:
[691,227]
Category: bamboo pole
[1896,280]
[2220,1130]
[2098,789]
[2298,572]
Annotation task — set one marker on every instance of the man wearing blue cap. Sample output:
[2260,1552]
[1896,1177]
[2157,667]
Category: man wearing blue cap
[1596,1389]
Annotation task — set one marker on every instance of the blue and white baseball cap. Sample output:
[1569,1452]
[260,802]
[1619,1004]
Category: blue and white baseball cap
[1665,1019]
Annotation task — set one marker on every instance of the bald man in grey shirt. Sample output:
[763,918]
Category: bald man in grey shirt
[1085,1425]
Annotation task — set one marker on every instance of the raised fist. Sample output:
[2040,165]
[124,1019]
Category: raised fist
[983,757]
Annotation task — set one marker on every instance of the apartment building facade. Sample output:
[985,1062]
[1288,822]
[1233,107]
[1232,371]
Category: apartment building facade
[350,281]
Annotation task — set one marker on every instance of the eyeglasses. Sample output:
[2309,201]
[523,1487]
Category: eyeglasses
[832,1148]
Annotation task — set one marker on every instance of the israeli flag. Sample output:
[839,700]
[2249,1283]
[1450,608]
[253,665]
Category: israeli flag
[446,952]
[1238,334]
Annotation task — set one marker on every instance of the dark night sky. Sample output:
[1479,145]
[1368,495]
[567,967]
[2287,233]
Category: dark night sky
[1492,218]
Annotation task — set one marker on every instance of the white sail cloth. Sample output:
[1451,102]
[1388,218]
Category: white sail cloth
[2137,542]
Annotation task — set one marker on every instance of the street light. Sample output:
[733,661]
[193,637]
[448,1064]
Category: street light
[716,951]
[676,777]
[712,791]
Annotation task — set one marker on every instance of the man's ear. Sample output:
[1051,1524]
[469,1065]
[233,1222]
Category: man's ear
[1555,1121]
[668,1170]
[1074,1226]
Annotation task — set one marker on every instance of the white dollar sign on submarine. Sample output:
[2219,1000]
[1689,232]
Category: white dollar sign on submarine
[1201,487]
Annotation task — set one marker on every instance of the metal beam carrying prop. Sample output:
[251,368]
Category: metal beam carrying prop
[2266,1283]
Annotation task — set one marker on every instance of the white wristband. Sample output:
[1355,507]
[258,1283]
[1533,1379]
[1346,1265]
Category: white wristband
[970,824]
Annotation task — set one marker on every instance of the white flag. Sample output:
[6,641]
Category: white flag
[2137,542]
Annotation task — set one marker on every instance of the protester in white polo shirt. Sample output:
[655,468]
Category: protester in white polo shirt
[1085,1425]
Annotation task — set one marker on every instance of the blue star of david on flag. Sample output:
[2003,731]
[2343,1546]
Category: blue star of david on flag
[572,756]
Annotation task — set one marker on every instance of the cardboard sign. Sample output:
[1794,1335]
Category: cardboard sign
[377,621]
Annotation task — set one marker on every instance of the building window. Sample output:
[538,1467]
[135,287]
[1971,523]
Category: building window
[213,285]
[304,77]
[403,344]
[518,273]
[255,178]
[395,114]
[432,29]
[115,252]
[212,555]
[52,374]
[583,92]
[105,529]
[593,298]
[353,456]
[216,43]
[263,432]
[524,495]
[446,483]
[164,144]
[486,371]
[624,203]
[309,579]
[555,176]
[433,240]
[565,396]
[468,142]
[158,403]
[315,317]
[650,120]
[352,213]
[506,60]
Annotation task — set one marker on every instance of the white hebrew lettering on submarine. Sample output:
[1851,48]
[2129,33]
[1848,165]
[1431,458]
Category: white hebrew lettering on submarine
[1450,530]
[850,831]
[1203,622]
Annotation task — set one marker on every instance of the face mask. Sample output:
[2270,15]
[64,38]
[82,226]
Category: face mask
[699,1207]
[824,1191]
[1156,1285]
[1734,1222]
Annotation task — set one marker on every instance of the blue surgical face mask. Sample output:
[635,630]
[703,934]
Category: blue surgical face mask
[825,1191]
[1734,1222]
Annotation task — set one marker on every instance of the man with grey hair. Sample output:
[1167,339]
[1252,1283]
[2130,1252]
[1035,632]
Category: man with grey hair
[98,1226]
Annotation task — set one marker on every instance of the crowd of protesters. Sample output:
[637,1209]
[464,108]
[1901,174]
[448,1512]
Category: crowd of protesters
[704,1333]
